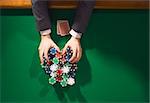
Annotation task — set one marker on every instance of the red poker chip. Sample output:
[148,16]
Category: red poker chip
[49,63]
[59,72]
[59,78]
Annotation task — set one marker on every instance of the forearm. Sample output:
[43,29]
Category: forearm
[82,16]
[40,12]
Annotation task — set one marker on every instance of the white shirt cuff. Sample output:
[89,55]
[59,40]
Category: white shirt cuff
[45,32]
[75,34]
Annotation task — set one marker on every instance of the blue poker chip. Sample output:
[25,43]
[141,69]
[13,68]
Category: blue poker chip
[53,51]
[67,58]
[68,49]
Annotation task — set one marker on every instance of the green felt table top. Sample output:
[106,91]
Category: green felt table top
[113,68]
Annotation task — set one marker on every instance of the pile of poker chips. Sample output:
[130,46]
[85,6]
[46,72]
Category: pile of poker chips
[58,68]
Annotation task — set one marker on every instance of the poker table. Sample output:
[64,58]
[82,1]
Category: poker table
[114,67]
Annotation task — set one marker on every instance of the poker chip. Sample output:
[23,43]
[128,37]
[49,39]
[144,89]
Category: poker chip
[53,51]
[59,78]
[70,81]
[52,80]
[59,72]
[65,76]
[63,83]
[53,67]
[55,60]
[58,68]
[65,69]
[52,74]
[58,55]
[47,70]
[71,74]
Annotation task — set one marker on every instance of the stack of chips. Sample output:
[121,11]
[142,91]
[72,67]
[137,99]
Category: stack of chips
[59,69]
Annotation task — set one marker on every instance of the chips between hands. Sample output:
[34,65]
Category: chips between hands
[58,68]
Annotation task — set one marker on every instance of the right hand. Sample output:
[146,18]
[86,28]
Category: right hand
[45,44]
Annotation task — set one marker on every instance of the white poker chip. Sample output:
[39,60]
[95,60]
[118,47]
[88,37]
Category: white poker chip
[65,69]
[53,67]
[52,74]
[70,81]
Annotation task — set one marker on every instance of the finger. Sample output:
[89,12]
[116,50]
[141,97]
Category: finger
[39,48]
[46,54]
[64,49]
[77,57]
[41,55]
[73,56]
[80,54]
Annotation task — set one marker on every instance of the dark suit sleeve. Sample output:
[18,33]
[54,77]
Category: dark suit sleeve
[40,12]
[82,16]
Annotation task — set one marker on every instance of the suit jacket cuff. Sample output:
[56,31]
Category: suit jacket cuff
[75,34]
[45,32]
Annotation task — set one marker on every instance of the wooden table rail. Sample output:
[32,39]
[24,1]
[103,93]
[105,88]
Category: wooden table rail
[100,4]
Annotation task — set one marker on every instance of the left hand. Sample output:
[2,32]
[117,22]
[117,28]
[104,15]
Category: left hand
[75,46]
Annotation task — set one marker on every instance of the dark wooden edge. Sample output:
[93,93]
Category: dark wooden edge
[72,4]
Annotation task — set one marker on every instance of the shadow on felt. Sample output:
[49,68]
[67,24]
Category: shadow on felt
[73,93]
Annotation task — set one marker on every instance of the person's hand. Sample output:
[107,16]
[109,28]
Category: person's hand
[75,45]
[45,44]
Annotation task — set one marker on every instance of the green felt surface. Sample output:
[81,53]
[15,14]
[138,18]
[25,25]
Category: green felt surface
[113,68]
